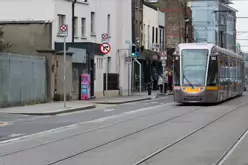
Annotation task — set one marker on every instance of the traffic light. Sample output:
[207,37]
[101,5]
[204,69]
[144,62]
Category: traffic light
[133,50]
[138,49]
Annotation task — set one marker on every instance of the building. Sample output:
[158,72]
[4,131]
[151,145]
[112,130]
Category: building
[153,42]
[178,28]
[137,22]
[91,20]
[215,22]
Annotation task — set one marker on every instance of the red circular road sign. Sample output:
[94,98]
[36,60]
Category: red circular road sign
[164,53]
[63,28]
[105,48]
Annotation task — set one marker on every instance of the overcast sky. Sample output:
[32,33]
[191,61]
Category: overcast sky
[242,23]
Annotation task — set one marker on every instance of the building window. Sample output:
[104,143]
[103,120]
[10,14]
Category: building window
[137,31]
[156,35]
[153,35]
[108,25]
[161,39]
[148,36]
[62,20]
[92,24]
[222,20]
[75,26]
[144,34]
[83,27]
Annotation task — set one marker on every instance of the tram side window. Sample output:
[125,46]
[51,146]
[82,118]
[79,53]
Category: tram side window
[226,70]
[235,70]
[221,71]
[238,71]
[212,72]
[176,72]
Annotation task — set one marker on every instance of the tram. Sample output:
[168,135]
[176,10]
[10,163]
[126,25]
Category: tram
[206,73]
[246,72]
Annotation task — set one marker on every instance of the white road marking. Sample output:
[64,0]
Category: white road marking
[125,114]
[108,110]
[152,103]
[14,135]
[60,129]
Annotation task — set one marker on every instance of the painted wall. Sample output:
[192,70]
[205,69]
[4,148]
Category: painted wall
[27,10]
[120,26]
[27,38]
[150,19]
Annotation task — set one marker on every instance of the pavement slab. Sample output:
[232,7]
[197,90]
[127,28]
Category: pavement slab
[123,100]
[48,108]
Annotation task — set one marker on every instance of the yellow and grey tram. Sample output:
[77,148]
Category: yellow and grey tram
[206,73]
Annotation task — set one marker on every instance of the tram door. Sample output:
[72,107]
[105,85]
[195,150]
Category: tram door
[229,77]
[227,80]
[221,77]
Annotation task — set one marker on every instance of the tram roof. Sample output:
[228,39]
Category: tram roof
[209,47]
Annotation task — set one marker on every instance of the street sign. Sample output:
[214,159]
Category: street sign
[163,64]
[105,48]
[163,58]
[155,46]
[128,42]
[105,38]
[164,53]
[128,59]
[64,30]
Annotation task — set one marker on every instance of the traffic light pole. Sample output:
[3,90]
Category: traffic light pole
[139,74]
[130,63]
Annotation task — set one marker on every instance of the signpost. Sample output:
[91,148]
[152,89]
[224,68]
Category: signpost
[164,58]
[140,75]
[64,32]
[105,49]
[129,60]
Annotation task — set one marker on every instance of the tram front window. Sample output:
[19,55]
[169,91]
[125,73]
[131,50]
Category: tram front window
[194,64]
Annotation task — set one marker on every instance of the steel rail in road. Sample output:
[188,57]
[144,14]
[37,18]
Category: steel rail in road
[91,130]
[229,151]
[149,157]
[127,135]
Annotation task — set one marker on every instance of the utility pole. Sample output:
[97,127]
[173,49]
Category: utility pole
[73,20]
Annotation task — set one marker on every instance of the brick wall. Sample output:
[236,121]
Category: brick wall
[174,21]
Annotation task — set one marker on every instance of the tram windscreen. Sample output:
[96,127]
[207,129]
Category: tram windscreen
[194,64]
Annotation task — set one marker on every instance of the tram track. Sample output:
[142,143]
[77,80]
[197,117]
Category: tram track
[219,162]
[77,153]
[106,126]
[147,128]
[127,135]
[229,151]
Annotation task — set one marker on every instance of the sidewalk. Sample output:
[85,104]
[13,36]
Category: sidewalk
[133,98]
[55,108]
[52,108]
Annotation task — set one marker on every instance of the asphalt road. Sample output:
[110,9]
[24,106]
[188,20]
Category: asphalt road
[153,132]
[22,125]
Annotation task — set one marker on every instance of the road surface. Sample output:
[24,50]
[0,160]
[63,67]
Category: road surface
[137,134]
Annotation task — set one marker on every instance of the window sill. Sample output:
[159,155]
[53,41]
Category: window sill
[84,38]
[76,37]
[93,35]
